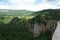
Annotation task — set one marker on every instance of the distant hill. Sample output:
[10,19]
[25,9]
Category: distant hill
[9,12]
[46,15]
[49,14]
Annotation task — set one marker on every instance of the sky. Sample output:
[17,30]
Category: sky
[33,5]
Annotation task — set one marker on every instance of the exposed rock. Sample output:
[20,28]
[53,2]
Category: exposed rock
[39,28]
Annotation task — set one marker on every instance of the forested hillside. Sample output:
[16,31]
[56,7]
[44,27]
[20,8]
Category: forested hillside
[19,24]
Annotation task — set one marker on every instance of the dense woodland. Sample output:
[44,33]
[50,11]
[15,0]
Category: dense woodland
[16,24]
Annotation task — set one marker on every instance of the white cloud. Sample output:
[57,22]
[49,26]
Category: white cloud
[58,3]
[29,5]
[5,7]
[23,2]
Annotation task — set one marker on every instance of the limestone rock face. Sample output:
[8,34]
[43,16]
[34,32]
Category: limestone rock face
[39,28]
[36,29]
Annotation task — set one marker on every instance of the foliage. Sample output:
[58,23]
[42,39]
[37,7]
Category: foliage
[47,35]
[15,24]
[15,30]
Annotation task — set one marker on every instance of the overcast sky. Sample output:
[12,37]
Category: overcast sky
[33,5]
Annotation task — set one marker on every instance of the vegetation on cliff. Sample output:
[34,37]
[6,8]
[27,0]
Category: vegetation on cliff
[18,25]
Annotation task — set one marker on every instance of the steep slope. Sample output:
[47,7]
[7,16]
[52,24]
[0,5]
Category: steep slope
[49,19]
[47,15]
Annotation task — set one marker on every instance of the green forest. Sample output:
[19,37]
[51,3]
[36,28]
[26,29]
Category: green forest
[16,24]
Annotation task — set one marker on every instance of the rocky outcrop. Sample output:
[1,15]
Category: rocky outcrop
[39,28]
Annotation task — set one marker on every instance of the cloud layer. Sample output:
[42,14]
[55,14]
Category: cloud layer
[30,4]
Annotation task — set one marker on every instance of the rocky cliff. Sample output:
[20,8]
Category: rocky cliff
[39,28]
